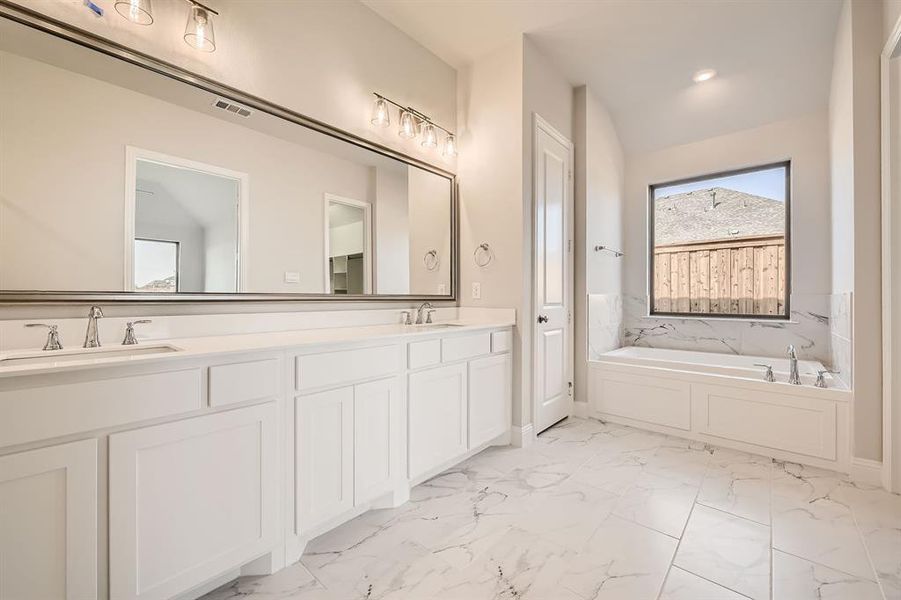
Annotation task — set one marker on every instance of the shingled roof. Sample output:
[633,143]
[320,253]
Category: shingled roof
[715,214]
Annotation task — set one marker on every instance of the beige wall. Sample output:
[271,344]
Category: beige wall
[599,191]
[318,57]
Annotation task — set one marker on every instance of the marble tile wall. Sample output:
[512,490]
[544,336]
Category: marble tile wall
[840,327]
[616,321]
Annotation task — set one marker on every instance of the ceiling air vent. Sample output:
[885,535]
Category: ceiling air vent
[232,107]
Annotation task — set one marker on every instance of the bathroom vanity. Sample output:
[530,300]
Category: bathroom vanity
[163,473]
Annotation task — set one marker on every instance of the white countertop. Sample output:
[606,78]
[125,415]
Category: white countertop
[229,344]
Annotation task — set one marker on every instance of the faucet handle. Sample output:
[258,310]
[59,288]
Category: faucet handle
[406,319]
[130,339]
[821,379]
[428,315]
[53,342]
[768,375]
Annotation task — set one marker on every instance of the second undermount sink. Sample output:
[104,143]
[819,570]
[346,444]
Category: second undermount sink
[436,325]
[50,357]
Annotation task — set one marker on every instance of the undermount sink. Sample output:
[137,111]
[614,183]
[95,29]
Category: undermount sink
[437,325]
[83,354]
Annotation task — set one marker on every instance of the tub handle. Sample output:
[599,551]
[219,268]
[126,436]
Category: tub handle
[821,380]
[768,376]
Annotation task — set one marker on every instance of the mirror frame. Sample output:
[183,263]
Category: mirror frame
[59,29]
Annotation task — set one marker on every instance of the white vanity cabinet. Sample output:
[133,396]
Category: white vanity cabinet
[437,409]
[347,449]
[490,398]
[48,523]
[191,499]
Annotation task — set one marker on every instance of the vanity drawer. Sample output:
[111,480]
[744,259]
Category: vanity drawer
[501,341]
[467,346]
[423,354]
[346,366]
[76,406]
[240,382]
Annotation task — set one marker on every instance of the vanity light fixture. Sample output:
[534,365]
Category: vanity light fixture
[136,11]
[199,28]
[380,113]
[412,123]
[703,75]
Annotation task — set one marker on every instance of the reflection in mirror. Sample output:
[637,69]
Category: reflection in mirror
[123,179]
[193,207]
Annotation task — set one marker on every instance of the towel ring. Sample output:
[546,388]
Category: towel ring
[431,260]
[482,255]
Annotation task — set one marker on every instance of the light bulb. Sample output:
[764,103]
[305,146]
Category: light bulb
[136,11]
[429,137]
[380,115]
[199,29]
[407,125]
[450,146]
[704,75]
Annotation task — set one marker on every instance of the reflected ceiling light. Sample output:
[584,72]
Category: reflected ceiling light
[136,11]
[703,75]
[407,125]
[429,137]
[411,122]
[450,146]
[380,114]
[199,29]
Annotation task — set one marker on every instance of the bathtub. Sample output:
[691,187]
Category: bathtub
[724,400]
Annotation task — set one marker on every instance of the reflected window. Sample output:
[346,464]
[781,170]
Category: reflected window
[156,266]
[720,244]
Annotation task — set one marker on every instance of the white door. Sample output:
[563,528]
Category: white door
[325,456]
[377,426]
[553,286]
[48,523]
[190,500]
[437,409]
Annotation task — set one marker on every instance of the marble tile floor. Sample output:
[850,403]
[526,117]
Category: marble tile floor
[601,511]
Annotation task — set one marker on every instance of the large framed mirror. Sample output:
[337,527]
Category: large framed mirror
[126,179]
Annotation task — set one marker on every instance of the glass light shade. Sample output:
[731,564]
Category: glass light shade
[199,30]
[429,136]
[136,11]
[450,146]
[380,114]
[407,125]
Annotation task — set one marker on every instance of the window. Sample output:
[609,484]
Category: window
[156,266]
[719,244]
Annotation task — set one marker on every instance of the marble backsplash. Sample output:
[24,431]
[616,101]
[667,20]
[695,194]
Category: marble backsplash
[605,324]
[841,328]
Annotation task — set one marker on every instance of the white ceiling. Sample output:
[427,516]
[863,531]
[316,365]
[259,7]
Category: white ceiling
[774,57]
[209,199]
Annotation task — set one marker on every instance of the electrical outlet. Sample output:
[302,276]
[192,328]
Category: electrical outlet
[442,289]
[292,277]
[476,290]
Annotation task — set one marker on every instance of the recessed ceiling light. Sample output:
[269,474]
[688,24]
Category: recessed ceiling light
[704,75]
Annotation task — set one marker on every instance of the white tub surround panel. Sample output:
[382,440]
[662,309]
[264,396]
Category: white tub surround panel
[722,399]
[605,324]
[229,454]
[808,330]
[841,331]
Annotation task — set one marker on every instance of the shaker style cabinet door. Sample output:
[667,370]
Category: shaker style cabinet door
[325,456]
[48,523]
[489,398]
[377,438]
[190,500]
[437,417]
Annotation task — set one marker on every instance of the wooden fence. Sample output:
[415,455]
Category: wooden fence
[737,276]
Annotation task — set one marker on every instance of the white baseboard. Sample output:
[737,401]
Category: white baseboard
[864,470]
[522,436]
[580,409]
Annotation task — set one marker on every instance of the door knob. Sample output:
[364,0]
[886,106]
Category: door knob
[542,318]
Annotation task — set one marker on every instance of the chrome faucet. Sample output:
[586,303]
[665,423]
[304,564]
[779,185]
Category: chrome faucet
[793,377]
[425,306]
[92,335]
[130,338]
[53,342]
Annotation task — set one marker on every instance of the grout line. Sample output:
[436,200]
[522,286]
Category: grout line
[813,562]
[866,548]
[711,581]
[672,561]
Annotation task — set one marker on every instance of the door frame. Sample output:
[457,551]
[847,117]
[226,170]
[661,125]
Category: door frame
[328,199]
[132,155]
[891,401]
[541,124]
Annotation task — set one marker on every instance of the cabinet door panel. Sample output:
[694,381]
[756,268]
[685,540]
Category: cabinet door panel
[437,417]
[325,430]
[377,423]
[191,499]
[48,523]
[489,398]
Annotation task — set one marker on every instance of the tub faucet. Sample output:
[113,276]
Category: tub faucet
[92,335]
[793,377]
